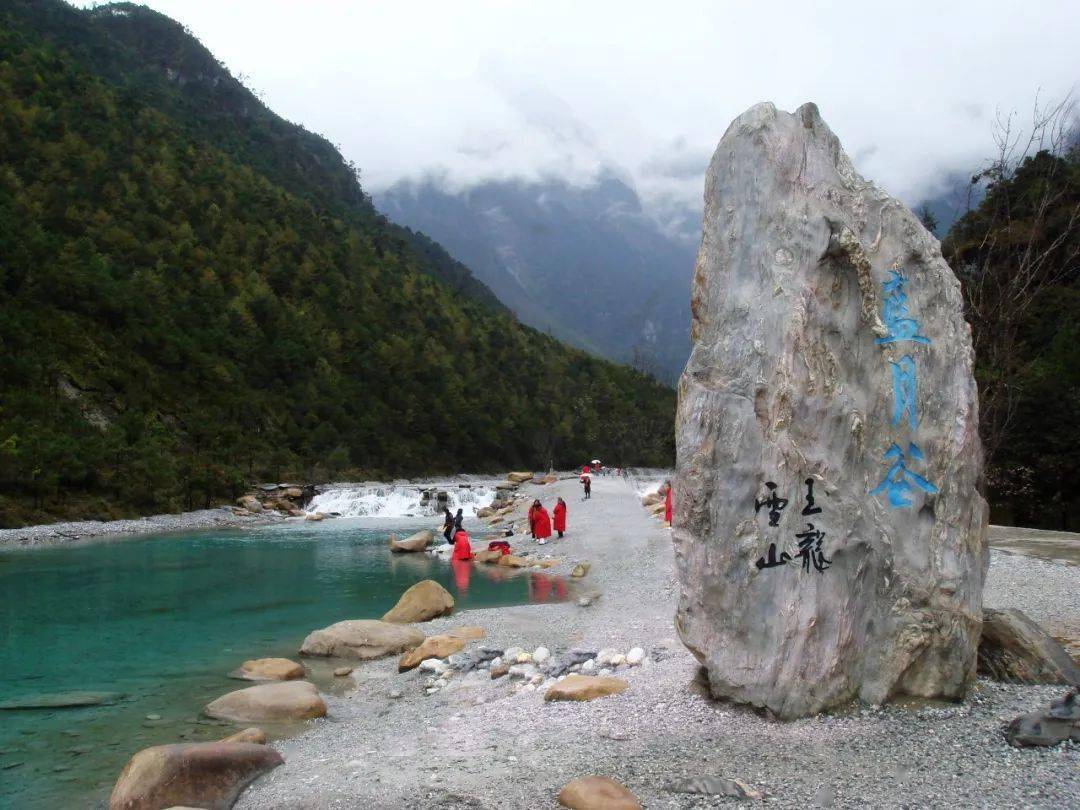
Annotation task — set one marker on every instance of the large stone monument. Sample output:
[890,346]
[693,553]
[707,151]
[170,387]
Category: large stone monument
[830,536]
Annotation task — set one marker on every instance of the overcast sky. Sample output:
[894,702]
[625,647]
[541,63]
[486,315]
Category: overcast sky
[480,89]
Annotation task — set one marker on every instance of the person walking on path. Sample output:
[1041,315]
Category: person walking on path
[541,525]
[667,504]
[560,516]
[586,482]
[448,524]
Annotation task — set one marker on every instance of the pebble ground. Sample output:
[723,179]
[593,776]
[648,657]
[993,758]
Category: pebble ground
[479,743]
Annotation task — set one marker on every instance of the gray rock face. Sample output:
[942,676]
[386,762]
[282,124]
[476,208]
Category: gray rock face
[830,536]
[1015,649]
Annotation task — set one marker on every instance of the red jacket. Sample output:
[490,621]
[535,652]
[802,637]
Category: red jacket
[667,505]
[541,523]
[462,548]
[560,517]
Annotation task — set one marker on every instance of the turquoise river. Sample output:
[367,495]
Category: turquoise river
[159,621]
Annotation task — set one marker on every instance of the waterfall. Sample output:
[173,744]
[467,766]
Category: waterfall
[407,500]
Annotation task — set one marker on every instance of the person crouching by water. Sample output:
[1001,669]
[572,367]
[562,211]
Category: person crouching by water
[462,547]
[448,524]
[560,516]
[541,525]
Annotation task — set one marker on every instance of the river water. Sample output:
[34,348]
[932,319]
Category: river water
[159,622]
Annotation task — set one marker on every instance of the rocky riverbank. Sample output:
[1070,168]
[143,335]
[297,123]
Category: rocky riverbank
[481,742]
[85,531]
[266,503]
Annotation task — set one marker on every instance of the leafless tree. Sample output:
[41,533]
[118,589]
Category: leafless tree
[1029,243]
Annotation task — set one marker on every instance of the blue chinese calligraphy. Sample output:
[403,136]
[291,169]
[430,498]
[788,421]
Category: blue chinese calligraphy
[895,313]
[904,399]
[899,481]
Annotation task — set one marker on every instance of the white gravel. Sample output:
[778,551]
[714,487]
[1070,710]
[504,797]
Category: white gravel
[85,531]
[478,743]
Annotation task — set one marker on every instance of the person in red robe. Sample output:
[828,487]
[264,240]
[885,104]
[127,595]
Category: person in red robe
[532,518]
[462,547]
[667,504]
[560,517]
[541,525]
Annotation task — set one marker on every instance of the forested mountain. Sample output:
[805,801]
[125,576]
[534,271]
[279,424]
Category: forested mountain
[194,295]
[1017,255]
[584,262]
[151,59]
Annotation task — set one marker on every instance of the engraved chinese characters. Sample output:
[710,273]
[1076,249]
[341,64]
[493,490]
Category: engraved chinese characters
[829,531]
[809,540]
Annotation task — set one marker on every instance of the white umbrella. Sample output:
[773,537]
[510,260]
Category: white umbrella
[596,461]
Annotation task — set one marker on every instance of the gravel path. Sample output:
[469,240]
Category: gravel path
[479,743]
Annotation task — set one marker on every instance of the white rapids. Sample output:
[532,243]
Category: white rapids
[404,500]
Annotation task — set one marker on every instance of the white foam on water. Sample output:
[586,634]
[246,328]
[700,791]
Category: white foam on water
[649,489]
[394,501]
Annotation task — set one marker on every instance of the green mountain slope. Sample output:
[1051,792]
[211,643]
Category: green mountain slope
[153,59]
[175,322]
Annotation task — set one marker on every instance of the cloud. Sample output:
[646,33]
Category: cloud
[505,88]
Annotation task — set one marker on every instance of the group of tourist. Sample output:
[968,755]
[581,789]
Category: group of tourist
[540,521]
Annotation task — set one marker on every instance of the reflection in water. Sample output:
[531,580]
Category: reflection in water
[546,588]
[462,569]
[164,619]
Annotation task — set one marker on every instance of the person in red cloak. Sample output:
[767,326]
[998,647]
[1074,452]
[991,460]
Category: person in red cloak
[532,518]
[667,504]
[560,516]
[541,525]
[462,547]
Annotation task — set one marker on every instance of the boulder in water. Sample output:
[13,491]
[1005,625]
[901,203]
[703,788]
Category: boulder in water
[414,542]
[422,602]
[209,775]
[519,477]
[247,735]
[361,639]
[829,533]
[268,669]
[60,700]
[1015,649]
[288,702]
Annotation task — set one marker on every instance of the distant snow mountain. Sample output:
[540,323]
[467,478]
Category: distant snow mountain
[587,264]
